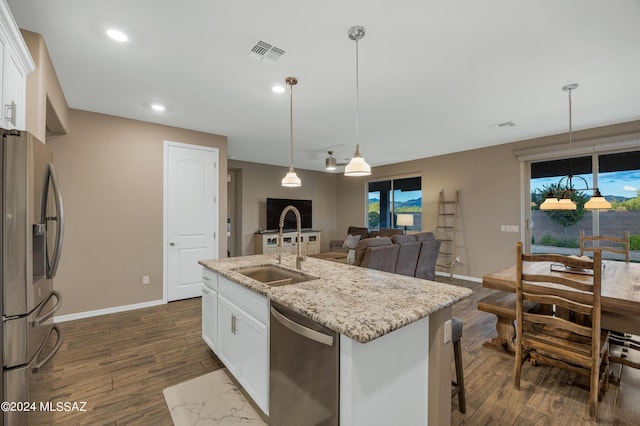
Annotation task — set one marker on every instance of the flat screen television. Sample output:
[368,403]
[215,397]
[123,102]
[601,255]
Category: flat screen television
[275,207]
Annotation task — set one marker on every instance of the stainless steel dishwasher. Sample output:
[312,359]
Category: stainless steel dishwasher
[304,386]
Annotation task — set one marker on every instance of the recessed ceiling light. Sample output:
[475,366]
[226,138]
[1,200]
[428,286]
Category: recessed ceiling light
[278,89]
[117,35]
[158,107]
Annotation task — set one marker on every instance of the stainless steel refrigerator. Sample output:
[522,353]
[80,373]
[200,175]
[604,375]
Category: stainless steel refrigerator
[32,228]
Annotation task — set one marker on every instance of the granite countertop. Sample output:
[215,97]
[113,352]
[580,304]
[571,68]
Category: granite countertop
[361,303]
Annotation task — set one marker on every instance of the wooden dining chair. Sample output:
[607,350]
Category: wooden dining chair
[621,344]
[556,341]
[589,243]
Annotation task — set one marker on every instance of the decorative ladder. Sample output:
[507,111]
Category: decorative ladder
[446,232]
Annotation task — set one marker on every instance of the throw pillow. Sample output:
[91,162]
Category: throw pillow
[351,241]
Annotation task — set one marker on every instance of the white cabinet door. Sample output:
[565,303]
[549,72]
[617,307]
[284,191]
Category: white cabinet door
[255,359]
[210,317]
[13,84]
[229,343]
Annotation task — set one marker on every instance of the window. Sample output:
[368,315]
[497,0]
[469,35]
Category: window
[387,198]
[619,182]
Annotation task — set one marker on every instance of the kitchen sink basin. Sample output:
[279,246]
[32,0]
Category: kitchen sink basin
[275,275]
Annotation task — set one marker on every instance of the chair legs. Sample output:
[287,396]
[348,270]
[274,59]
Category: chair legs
[458,386]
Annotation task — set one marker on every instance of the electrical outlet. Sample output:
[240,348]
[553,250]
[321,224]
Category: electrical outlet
[447,331]
[145,279]
[457,259]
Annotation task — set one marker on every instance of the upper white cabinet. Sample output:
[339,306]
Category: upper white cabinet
[15,64]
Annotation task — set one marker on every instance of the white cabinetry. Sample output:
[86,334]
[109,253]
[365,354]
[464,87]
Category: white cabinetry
[15,64]
[242,338]
[210,308]
[267,243]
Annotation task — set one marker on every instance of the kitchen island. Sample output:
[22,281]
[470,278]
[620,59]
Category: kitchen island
[394,363]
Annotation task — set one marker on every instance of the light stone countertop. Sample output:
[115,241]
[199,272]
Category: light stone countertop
[361,303]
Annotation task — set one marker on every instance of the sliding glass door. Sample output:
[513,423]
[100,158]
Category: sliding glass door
[617,175]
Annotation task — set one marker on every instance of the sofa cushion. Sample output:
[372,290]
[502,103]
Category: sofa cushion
[382,258]
[351,241]
[363,245]
[401,239]
[385,232]
[357,230]
[425,236]
[407,254]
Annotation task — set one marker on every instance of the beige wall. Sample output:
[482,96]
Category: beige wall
[111,176]
[260,181]
[47,109]
[489,183]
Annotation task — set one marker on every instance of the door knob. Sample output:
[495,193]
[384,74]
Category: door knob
[172,243]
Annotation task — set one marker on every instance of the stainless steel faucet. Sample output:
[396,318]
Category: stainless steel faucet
[299,257]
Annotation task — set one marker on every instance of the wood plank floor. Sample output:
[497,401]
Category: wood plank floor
[547,396]
[120,363]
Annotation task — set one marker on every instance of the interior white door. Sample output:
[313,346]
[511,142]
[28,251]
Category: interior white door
[191,224]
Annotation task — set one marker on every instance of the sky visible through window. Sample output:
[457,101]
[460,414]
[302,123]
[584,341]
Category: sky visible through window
[620,184]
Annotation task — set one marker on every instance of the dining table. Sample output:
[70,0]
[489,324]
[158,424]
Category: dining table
[620,291]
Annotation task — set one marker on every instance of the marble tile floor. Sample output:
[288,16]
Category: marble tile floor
[210,400]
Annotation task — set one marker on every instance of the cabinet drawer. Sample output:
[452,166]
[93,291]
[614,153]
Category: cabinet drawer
[254,303]
[210,278]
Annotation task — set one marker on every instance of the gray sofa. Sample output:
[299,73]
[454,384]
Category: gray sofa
[337,246]
[412,255]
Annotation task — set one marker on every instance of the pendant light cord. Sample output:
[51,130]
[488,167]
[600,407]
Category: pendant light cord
[291,125]
[357,98]
[570,139]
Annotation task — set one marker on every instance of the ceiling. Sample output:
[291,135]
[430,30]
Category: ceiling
[435,76]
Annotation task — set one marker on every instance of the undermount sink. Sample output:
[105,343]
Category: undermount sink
[275,275]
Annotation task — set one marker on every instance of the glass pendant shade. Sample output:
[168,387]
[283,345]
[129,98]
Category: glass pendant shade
[357,166]
[550,203]
[566,204]
[291,180]
[597,202]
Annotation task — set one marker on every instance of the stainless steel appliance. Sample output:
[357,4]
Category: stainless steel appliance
[32,228]
[304,373]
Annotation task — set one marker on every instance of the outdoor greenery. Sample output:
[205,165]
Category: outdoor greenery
[549,240]
[565,218]
[631,204]
[634,242]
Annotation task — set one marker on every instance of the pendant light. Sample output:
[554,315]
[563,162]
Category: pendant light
[560,198]
[357,166]
[291,180]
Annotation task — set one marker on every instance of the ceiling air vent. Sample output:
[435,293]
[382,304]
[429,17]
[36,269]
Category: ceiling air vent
[264,52]
[502,125]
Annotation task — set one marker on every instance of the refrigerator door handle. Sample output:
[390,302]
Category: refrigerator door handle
[41,319]
[51,177]
[50,355]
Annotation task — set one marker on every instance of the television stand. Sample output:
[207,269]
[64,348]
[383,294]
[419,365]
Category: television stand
[267,242]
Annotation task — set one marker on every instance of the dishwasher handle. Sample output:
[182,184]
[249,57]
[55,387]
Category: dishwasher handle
[302,330]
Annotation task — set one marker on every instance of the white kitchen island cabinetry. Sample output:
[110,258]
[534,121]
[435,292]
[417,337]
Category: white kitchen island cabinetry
[15,64]
[210,308]
[243,338]
[394,358]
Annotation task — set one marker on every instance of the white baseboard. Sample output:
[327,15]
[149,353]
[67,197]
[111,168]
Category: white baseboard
[460,277]
[105,311]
